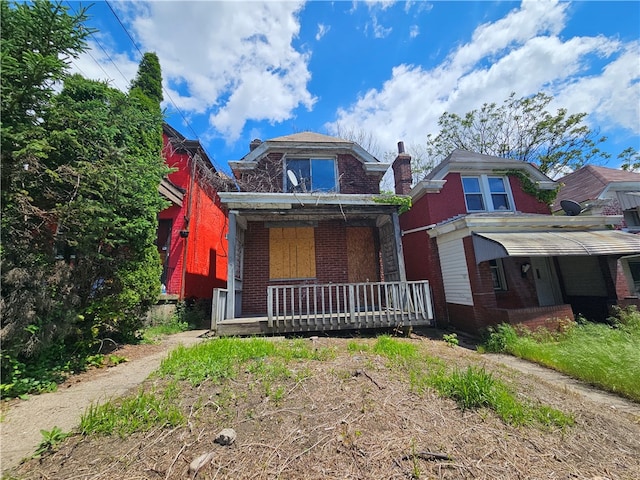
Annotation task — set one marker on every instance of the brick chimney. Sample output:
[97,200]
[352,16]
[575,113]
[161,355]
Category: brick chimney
[402,171]
[255,143]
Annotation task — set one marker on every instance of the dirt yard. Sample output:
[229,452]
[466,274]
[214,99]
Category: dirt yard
[355,417]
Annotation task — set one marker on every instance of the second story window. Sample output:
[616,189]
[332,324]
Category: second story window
[485,193]
[311,175]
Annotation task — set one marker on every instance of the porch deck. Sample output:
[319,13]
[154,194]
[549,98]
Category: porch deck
[326,307]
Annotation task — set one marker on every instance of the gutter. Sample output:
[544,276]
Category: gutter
[419,229]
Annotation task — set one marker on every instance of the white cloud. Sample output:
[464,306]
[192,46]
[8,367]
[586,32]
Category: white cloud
[524,53]
[378,30]
[414,31]
[322,30]
[234,59]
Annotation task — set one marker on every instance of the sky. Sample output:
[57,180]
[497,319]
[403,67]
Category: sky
[384,71]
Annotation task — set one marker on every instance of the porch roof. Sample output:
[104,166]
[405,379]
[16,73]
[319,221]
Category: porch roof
[261,200]
[489,246]
[307,206]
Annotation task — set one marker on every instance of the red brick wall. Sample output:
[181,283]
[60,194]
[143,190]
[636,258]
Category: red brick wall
[267,176]
[331,262]
[354,179]
[525,202]
[521,290]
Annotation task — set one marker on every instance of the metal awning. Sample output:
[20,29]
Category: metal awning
[628,200]
[489,246]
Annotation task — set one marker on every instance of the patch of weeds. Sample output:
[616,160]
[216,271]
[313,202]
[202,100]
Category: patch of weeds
[470,389]
[395,349]
[96,360]
[117,359]
[160,327]
[220,358]
[278,395]
[451,339]
[132,414]
[603,355]
[50,440]
[358,347]
[476,388]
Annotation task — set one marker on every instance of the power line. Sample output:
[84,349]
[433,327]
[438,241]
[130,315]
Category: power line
[184,118]
[105,52]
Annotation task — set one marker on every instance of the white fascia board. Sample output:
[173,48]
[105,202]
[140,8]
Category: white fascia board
[547,185]
[286,200]
[534,222]
[620,187]
[371,163]
[494,168]
[376,167]
[425,186]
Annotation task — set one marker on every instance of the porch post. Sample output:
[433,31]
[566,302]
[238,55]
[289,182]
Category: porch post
[231,266]
[398,240]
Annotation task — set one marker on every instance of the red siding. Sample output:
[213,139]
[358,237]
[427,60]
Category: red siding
[206,244]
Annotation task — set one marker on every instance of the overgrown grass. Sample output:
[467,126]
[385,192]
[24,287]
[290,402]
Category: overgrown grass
[141,412]
[472,388]
[219,359]
[214,361]
[604,355]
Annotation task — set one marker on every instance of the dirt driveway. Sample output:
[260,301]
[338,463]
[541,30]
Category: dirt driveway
[24,419]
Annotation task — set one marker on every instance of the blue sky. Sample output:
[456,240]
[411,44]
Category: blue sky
[385,71]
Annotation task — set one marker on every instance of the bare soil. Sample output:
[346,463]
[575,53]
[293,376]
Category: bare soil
[355,417]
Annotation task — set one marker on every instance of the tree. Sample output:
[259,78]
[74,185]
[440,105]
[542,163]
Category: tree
[79,213]
[38,40]
[149,77]
[108,166]
[522,129]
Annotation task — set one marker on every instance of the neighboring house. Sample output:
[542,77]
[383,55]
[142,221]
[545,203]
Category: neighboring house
[312,244]
[603,191]
[192,231]
[493,253]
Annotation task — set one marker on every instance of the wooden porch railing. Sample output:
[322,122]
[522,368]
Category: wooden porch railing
[355,303]
[341,305]
[218,306]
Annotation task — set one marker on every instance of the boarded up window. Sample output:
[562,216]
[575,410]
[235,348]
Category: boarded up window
[292,252]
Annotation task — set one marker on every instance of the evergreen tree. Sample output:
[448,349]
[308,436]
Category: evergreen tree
[81,171]
[149,77]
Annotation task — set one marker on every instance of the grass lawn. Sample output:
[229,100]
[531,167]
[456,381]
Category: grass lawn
[604,355]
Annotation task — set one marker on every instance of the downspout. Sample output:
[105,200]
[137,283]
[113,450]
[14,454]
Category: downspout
[185,233]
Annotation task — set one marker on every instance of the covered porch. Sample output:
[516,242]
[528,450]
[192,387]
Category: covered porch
[303,262]
[324,307]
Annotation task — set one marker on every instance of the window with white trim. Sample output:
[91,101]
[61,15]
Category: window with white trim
[484,193]
[497,274]
[311,174]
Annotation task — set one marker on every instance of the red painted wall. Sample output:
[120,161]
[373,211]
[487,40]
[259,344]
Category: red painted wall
[206,244]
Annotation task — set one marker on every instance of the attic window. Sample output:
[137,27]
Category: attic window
[484,193]
[312,175]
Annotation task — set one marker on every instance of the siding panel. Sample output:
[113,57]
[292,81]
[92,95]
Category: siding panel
[455,274]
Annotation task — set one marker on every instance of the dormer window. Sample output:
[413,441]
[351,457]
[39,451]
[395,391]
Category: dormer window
[311,175]
[484,193]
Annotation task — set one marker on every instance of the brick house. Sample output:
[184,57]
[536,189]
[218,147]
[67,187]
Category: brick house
[479,231]
[603,191]
[192,230]
[312,243]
